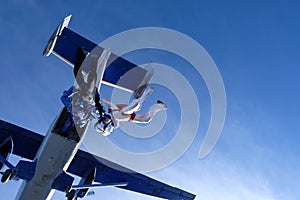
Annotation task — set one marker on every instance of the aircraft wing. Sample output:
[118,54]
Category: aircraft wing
[108,172]
[26,144]
[119,72]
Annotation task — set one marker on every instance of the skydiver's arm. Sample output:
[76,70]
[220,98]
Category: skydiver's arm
[66,98]
[92,76]
[109,104]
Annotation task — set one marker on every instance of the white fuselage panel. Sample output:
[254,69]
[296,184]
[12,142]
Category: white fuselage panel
[54,156]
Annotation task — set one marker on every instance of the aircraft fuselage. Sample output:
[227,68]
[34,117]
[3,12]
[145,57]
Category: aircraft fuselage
[53,158]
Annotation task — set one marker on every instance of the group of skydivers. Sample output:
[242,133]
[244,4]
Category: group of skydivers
[84,104]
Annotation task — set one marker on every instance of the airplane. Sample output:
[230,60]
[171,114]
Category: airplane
[50,162]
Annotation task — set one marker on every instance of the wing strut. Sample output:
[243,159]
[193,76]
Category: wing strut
[120,184]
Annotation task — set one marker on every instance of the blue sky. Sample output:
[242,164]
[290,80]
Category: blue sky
[254,44]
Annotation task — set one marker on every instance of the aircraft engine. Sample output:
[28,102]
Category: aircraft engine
[6,147]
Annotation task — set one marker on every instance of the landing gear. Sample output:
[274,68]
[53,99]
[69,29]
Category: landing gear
[6,176]
[71,194]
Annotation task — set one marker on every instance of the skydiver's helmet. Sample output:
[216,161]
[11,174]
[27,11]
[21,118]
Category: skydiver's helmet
[104,125]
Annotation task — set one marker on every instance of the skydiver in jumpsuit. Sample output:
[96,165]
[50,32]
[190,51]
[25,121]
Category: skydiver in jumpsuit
[126,113]
[82,102]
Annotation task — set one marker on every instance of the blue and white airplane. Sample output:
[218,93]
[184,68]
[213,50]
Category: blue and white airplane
[53,160]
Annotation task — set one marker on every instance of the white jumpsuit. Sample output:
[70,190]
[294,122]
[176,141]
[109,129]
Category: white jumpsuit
[125,113]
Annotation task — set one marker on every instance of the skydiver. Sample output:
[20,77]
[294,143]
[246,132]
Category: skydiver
[82,100]
[126,113]
[80,111]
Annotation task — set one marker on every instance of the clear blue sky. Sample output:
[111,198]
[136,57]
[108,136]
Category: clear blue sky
[255,46]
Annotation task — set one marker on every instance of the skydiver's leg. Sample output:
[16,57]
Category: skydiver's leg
[86,90]
[92,75]
[78,73]
[109,104]
[146,118]
[80,56]
[136,104]
[120,117]
[89,89]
